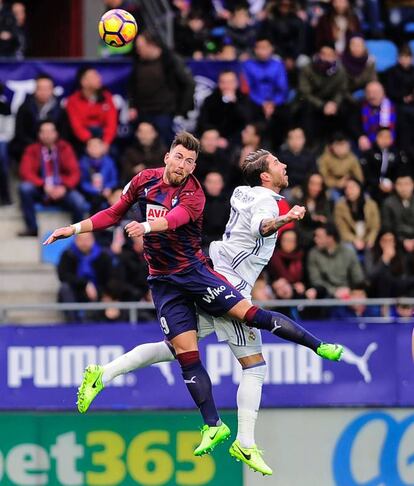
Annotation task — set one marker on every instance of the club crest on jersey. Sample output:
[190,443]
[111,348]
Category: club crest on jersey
[155,211]
[174,201]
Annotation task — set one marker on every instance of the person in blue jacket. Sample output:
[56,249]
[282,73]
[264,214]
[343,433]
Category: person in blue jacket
[99,175]
[267,84]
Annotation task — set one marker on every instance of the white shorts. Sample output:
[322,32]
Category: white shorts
[245,340]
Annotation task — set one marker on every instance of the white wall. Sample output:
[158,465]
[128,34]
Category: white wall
[303,445]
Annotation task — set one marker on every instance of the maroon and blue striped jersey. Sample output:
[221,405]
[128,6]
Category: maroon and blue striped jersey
[173,250]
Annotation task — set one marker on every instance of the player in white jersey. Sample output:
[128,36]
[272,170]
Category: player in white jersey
[248,243]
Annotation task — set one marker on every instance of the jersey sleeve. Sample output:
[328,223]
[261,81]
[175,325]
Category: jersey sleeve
[262,209]
[193,202]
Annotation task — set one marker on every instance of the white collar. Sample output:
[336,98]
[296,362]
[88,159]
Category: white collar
[267,191]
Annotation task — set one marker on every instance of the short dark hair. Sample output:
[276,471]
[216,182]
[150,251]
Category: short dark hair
[405,50]
[187,140]
[45,76]
[253,165]
[332,230]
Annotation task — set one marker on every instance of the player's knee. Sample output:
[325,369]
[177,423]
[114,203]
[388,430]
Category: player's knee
[258,371]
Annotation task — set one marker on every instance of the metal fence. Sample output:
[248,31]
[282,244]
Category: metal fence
[134,308]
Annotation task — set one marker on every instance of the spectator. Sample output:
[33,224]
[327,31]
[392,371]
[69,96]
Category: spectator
[357,217]
[9,39]
[359,67]
[19,12]
[145,152]
[266,82]
[261,290]
[240,30]
[91,110]
[338,163]
[131,269]
[251,140]
[398,212]
[5,112]
[99,176]
[161,86]
[49,173]
[386,267]
[332,266]
[287,261]
[226,109]
[318,209]
[37,107]
[381,165]
[337,25]
[299,160]
[376,111]
[84,269]
[286,29]
[216,210]
[321,90]
[212,158]
[191,35]
[400,89]
[356,310]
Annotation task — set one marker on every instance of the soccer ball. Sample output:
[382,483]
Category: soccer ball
[117,27]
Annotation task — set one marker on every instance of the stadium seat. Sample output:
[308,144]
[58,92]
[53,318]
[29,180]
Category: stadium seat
[411,43]
[385,53]
[409,27]
[51,253]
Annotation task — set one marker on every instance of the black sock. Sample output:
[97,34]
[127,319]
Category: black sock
[199,385]
[281,326]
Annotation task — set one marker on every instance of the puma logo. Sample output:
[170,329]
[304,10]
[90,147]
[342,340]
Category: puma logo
[190,381]
[361,362]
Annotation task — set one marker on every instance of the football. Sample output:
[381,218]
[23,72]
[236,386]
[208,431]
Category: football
[117,28]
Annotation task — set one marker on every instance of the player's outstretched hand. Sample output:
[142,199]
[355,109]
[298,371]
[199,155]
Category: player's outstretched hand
[296,213]
[134,229]
[59,234]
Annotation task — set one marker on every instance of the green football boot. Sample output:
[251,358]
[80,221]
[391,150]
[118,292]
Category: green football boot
[91,385]
[252,456]
[210,437]
[332,352]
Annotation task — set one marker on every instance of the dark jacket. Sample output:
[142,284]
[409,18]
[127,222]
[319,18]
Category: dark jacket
[27,119]
[68,267]
[216,162]
[227,117]
[298,165]
[371,163]
[288,33]
[215,216]
[398,219]
[317,89]
[176,76]
[136,154]
[399,82]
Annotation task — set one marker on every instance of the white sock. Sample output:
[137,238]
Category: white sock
[139,357]
[249,395]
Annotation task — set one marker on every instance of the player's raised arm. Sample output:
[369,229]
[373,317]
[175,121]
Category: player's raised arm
[271,225]
[99,221]
[174,219]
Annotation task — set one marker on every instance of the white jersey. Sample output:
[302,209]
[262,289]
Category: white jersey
[243,247]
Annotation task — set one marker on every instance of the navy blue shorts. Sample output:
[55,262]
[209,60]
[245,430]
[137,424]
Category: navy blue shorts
[175,297]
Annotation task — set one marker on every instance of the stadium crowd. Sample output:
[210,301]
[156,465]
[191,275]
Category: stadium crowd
[307,90]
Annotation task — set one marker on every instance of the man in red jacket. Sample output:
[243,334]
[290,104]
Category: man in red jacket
[91,110]
[49,172]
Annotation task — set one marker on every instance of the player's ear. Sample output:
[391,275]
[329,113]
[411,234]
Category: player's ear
[166,157]
[265,177]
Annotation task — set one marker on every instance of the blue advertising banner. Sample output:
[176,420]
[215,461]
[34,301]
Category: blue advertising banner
[18,79]
[41,367]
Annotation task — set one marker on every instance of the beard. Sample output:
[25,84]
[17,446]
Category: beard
[173,178]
